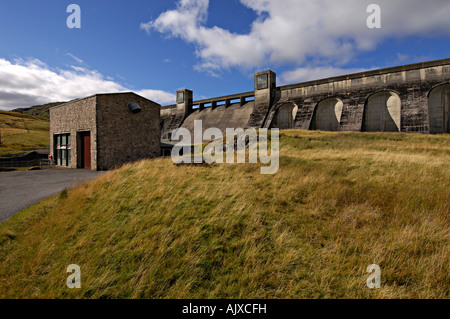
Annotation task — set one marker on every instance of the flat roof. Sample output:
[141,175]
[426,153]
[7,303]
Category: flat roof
[98,94]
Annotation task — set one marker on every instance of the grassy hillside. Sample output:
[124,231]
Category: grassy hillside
[339,203]
[22,132]
[40,110]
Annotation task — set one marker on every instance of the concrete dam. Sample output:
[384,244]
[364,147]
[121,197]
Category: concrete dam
[409,98]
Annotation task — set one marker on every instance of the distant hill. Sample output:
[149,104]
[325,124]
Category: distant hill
[41,110]
[21,132]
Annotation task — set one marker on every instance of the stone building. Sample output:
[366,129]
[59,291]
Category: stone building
[104,131]
[408,98]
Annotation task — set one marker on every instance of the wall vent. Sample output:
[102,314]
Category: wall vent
[134,108]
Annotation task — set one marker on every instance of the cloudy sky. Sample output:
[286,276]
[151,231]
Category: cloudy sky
[212,47]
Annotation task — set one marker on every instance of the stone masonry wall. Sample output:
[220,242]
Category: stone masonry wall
[71,118]
[122,136]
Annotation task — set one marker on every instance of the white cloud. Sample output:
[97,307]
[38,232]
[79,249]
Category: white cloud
[292,31]
[161,97]
[75,58]
[32,82]
[402,57]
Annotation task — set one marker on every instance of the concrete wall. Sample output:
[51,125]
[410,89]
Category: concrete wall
[222,117]
[232,111]
[392,99]
[72,118]
[168,121]
[359,92]
[123,136]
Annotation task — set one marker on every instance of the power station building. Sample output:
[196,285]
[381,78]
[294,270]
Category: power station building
[104,131]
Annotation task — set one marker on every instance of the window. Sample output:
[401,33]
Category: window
[63,149]
[180,97]
[262,81]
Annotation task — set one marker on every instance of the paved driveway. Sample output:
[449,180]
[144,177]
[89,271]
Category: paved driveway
[19,190]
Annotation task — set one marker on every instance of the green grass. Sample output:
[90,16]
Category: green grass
[22,132]
[339,203]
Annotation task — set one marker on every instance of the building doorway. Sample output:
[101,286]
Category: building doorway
[85,149]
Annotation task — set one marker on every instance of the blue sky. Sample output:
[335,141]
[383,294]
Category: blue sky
[212,47]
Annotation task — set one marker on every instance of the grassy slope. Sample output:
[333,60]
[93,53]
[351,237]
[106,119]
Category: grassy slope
[16,138]
[41,110]
[339,203]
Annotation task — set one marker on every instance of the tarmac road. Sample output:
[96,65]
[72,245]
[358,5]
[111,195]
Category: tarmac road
[19,190]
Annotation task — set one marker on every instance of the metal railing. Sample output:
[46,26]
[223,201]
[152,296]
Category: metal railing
[417,129]
[42,163]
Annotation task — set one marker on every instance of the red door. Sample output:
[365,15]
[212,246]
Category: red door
[86,150]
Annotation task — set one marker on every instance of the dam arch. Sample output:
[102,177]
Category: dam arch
[382,112]
[327,115]
[439,109]
[285,116]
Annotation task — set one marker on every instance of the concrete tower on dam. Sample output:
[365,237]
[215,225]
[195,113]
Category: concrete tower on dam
[409,98]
